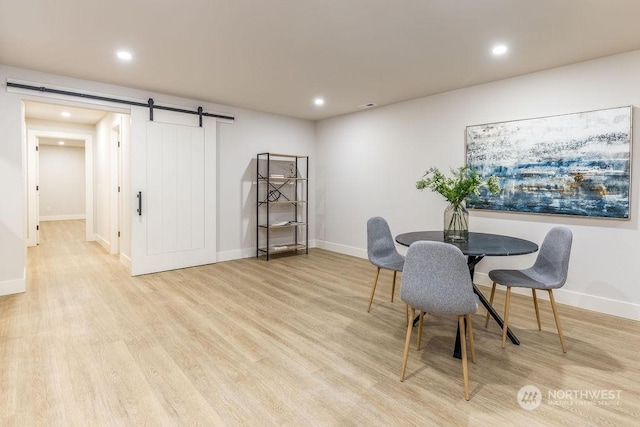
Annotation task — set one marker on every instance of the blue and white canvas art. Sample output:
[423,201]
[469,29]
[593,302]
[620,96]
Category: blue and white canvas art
[573,164]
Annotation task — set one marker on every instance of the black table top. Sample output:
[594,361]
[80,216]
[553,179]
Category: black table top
[479,244]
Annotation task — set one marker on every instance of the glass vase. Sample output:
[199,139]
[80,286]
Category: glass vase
[456,223]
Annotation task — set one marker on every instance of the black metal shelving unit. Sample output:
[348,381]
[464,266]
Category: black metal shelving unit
[282,204]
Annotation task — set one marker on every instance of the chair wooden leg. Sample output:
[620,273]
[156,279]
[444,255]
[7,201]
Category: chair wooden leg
[393,286]
[420,330]
[373,291]
[555,315]
[407,343]
[463,350]
[506,318]
[406,312]
[535,304]
[493,292]
[470,333]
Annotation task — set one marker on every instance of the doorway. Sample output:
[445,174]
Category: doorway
[99,132]
[165,215]
[61,203]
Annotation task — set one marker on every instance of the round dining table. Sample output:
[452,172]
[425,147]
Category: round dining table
[476,248]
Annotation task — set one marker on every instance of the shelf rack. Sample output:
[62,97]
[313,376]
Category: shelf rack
[285,191]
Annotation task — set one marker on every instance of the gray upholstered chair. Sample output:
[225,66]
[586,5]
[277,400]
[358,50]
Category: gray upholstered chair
[436,280]
[547,273]
[382,252]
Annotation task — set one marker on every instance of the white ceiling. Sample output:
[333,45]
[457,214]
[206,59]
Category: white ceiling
[277,55]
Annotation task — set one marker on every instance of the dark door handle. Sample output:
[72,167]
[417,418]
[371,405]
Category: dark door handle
[139,203]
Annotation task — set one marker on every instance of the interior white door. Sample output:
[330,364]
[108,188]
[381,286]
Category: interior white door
[173,163]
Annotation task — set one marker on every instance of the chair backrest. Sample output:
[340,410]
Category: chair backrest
[380,245]
[552,264]
[436,279]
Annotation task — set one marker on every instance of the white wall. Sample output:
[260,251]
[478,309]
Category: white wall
[62,182]
[106,181]
[238,144]
[12,188]
[368,164]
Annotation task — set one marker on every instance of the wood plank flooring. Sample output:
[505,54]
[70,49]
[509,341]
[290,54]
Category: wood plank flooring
[285,342]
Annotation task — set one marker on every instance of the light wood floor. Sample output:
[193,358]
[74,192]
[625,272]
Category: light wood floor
[284,342]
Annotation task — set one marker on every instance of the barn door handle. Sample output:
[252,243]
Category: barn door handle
[139,203]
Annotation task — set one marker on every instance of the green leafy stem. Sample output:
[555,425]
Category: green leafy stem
[464,183]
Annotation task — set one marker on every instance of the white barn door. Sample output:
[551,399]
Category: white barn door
[173,164]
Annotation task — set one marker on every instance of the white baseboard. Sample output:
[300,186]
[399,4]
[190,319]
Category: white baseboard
[236,254]
[62,217]
[15,286]
[125,260]
[342,249]
[575,299]
[103,242]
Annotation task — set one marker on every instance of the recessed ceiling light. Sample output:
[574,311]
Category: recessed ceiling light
[65,114]
[368,105]
[500,49]
[318,101]
[60,142]
[123,54]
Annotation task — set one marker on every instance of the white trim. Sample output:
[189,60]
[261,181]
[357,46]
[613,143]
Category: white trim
[600,304]
[114,183]
[25,176]
[617,308]
[125,260]
[15,286]
[236,254]
[31,178]
[62,217]
[102,242]
[341,249]
[89,206]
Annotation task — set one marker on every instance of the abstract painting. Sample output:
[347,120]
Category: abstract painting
[572,164]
